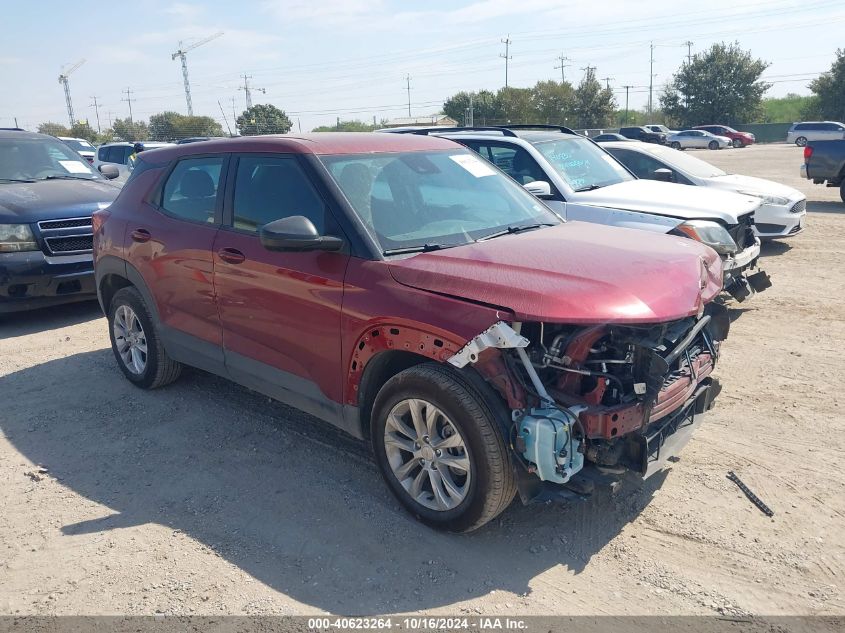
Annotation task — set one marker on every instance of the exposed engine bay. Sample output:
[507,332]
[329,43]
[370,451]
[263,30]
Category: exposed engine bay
[614,397]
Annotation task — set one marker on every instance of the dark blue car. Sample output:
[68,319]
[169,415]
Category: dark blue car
[47,196]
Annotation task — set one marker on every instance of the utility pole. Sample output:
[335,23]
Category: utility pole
[220,105]
[469,113]
[562,66]
[234,116]
[128,100]
[607,81]
[507,56]
[408,87]
[626,102]
[588,69]
[248,91]
[689,44]
[650,78]
[97,110]
[110,114]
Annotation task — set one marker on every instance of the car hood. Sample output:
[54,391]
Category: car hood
[735,182]
[26,202]
[666,198]
[574,273]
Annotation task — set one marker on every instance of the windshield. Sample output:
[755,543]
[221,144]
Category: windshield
[433,199]
[582,164]
[40,159]
[685,162]
[78,144]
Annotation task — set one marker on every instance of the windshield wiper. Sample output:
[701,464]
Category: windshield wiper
[16,180]
[420,248]
[588,188]
[67,178]
[514,229]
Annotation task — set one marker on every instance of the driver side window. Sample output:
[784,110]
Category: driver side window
[268,188]
[514,161]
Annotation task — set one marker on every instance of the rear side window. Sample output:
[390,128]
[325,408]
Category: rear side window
[269,188]
[516,162]
[190,192]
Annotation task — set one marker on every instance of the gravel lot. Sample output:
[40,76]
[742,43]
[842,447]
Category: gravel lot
[205,498]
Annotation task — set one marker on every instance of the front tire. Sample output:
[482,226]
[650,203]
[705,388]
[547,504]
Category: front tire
[713,145]
[801,141]
[736,143]
[136,344]
[675,145]
[842,191]
[441,449]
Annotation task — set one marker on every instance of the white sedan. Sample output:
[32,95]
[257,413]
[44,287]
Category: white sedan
[697,138]
[783,209]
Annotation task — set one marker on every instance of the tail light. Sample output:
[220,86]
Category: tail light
[808,151]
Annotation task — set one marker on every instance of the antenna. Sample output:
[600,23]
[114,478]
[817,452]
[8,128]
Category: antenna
[181,55]
[63,80]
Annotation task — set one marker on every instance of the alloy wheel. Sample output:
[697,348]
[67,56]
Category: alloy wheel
[427,454]
[130,339]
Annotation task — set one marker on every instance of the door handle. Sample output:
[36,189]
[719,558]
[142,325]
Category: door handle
[231,255]
[141,235]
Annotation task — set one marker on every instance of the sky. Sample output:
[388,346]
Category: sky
[323,59]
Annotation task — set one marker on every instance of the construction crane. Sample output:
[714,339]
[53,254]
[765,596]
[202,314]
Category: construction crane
[181,55]
[63,80]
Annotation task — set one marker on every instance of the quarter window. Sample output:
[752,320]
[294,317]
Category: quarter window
[190,192]
[269,188]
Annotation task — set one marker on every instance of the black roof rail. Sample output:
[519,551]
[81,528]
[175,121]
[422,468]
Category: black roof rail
[429,130]
[12,129]
[541,126]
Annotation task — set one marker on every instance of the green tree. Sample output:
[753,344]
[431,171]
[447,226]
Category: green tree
[172,126]
[514,105]
[829,92]
[53,129]
[263,119]
[347,126]
[485,107]
[131,131]
[553,102]
[719,85]
[594,106]
[81,129]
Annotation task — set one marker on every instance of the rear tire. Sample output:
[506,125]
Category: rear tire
[801,141]
[136,344]
[713,145]
[675,145]
[477,485]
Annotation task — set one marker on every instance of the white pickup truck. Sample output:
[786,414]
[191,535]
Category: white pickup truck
[581,181]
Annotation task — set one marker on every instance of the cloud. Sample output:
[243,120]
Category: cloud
[184,11]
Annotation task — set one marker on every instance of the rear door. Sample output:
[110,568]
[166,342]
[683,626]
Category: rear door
[169,241]
[280,311]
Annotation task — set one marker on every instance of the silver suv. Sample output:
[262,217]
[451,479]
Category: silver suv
[800,133]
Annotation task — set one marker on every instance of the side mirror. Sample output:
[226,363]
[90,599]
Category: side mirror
[296,234]
[663,174]
[109,171]
[539,188]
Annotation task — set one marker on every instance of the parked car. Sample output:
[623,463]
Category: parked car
[581,181]
[119,153]
[610,136]
[824,162]
[404,290]
[639,133]
[687,139]
[660,129]
[783,210]
[81,146]
[739,139]
[47,196]
[800,133]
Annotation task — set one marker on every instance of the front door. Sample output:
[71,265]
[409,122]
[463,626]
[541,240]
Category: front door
[280,311]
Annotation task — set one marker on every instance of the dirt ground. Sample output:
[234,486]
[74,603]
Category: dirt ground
[205,498]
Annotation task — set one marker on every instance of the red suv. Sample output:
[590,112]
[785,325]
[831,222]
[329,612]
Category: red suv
[408,292]
[738,139]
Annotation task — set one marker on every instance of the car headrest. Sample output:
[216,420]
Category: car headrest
[196,183]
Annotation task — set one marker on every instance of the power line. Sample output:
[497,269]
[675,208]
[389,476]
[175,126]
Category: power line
[507,56]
